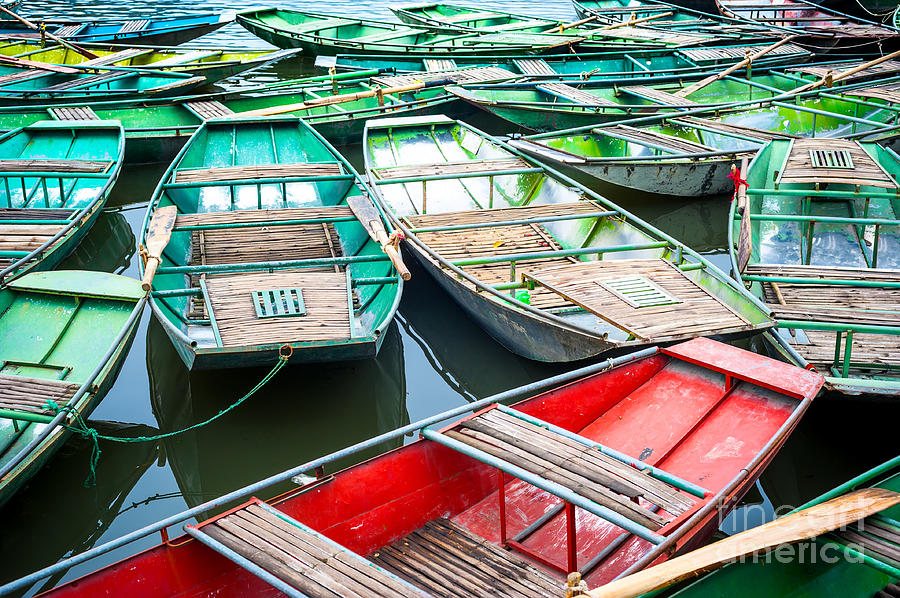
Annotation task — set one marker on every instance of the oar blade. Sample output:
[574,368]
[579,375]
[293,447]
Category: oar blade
[158,234]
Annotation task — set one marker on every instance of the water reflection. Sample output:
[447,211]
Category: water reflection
[62,516]
[108,246]
[303,413]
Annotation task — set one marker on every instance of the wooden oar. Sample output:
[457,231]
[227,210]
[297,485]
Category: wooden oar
[745,239]
[802,525]
[58,40]
[44,66]
[366,213]
[563,26]
[158,234]
[633,21]
[829,79]
[704,82]
[336,99]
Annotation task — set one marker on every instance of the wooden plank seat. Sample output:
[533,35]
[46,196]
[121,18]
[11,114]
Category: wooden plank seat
[799,167]
[305,561]
[209,109]
[479,74]
[878,538]
[258,171]
[593,286]
[817,301]
[534,66]
[513,165]
[448,560]
[517,25]
[456,245]
[726,128]
[657,95]
[670,143]
[52,166]
[76,113]
[134,25]
[705,54]
[22,75]
[574,94]
[871,354]
[325,296]
[120,56]
[68,30]
[31,395]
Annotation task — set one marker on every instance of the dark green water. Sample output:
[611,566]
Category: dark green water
[433,359]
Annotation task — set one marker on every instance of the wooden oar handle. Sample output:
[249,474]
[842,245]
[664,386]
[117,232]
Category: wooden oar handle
[401,268]
[149,272]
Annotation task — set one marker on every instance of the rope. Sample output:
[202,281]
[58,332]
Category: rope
[79,426]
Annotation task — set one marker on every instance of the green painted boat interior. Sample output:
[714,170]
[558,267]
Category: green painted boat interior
[58,326]
[815,569]
[471,18]
[252,142]
[441,140]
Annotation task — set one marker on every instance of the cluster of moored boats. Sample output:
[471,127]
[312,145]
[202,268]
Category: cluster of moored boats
[263,244]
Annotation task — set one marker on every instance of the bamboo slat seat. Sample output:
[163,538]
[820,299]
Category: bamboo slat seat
[438,64]
[657,95]
[68,30]
[799,168]
[817,301]
[134,25]
[534,66]
[452,168]
[325,296]
[573,94]
[119,56]
[22,75]
[479,74]
[209,109]
[299,556]
[703,54]
[589,285]
[433,556]
[501,240]
[674,144]
[54,166]
[884,68]
[889,93]
[77,113]
[34,214]
[760,134]
[259,171]
[90,81]
[30,395]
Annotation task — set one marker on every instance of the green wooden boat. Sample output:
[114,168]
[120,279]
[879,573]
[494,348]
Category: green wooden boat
[56,178]
[859,561]
[458,17]
[548,106]
[156,129]
[324,34]
[267,256]
[65,335]
[553,271]
[20,85]
[820,244]
[211,63]
[584,66]
[690,156]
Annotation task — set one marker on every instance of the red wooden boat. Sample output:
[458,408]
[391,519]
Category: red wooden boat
[647,451]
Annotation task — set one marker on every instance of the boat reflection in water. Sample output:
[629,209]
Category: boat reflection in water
[56,495]
[302,413]
[108,247]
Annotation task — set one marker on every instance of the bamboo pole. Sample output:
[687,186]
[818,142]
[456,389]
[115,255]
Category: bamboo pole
[58,40]
[563,26]
[712,78]
[829,78]
[329,100]
[745,238]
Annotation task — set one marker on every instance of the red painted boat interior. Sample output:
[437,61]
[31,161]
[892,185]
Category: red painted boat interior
[670,412]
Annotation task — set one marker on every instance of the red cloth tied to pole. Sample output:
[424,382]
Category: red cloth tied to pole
[735,175]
